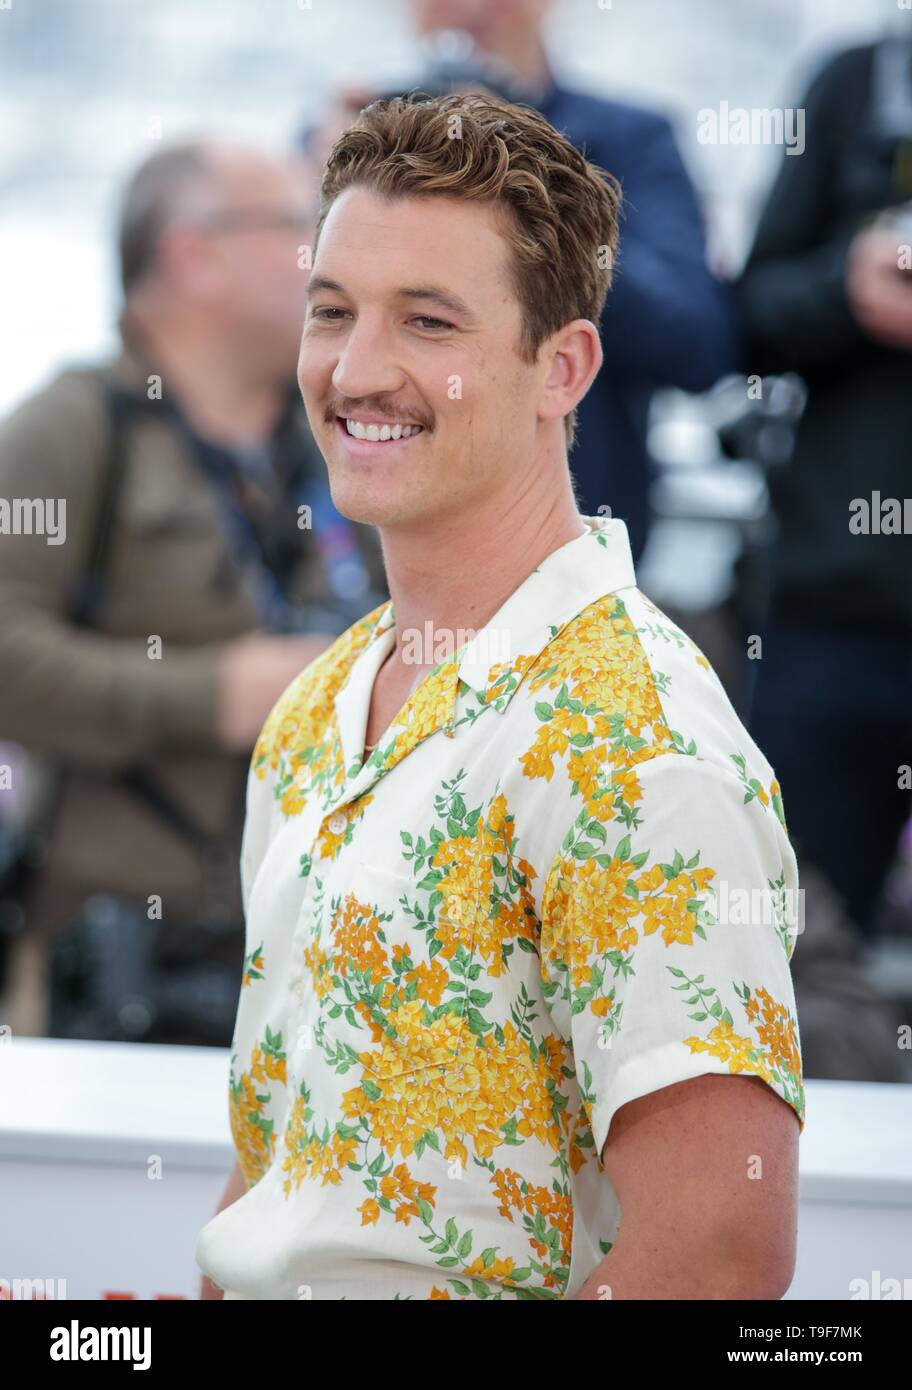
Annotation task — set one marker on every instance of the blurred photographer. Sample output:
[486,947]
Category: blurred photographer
[201,567]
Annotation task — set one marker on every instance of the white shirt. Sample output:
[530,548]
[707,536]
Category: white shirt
[561,881]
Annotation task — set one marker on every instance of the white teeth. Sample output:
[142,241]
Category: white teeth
[380,432]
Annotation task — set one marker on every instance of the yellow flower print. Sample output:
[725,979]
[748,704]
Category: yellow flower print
[317,961]
[499,1270]
[327,842]
[307,1155]
[556,1208]
[753,787]
[776,798]
[579,1139]
[495,1086]
[601,659]
[723,1042]
[273,1063]
[428,708]
[606,716]
[466,916]
[628,785]
[355,942]
[775,1055]
[586,768]
[651,879]
[432,981]
[588,912]
[416,1044]
[370,1212]
[669,909]
[252,1131]
[253,966]
[401,1193]
[292,801]
[505,673]
[595,907]
[299,741]
[776,1031]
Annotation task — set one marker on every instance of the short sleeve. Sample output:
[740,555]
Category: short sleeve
[257,827]
[665,943]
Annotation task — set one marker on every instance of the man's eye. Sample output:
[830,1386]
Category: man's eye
[431,323]
[324,313]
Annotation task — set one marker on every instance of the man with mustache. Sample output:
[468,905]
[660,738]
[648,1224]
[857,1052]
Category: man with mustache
[506,896]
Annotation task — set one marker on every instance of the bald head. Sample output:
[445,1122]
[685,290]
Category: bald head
[192,183]
[174,184]
[211,236]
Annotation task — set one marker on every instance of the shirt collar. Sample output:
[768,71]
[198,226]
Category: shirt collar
[596,563]
[494,663]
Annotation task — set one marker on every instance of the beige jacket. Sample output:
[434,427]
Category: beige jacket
[93,699]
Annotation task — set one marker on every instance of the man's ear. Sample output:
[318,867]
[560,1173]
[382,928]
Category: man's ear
[574,356]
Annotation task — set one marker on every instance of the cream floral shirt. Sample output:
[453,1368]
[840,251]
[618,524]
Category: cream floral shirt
[562,880]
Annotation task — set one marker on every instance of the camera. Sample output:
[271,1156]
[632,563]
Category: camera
[115,977]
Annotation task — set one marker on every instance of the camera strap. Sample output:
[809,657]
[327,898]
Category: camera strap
[218,854]
[219,861]
[80,608]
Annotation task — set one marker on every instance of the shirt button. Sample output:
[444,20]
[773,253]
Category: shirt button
[337,823]
[303,1046]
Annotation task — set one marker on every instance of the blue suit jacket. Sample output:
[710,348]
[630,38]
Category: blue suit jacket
[667,320]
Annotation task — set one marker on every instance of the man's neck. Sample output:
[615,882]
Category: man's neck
[215,392]
[457,573]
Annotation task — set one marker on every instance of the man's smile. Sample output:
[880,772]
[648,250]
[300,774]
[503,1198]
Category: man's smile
[364,436]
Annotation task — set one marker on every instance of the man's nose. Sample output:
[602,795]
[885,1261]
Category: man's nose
[366,366]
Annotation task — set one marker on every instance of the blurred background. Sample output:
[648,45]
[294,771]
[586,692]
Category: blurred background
[88,93]
[87,89]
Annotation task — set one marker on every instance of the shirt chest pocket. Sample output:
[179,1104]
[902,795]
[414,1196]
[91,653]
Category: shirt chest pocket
[395,972]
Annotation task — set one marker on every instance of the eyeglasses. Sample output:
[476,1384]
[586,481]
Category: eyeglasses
[240,219]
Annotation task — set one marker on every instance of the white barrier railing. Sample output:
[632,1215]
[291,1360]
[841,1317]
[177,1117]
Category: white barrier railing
[113,1156]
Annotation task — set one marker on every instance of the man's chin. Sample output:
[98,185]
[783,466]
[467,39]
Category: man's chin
[360,504]
[355,503]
